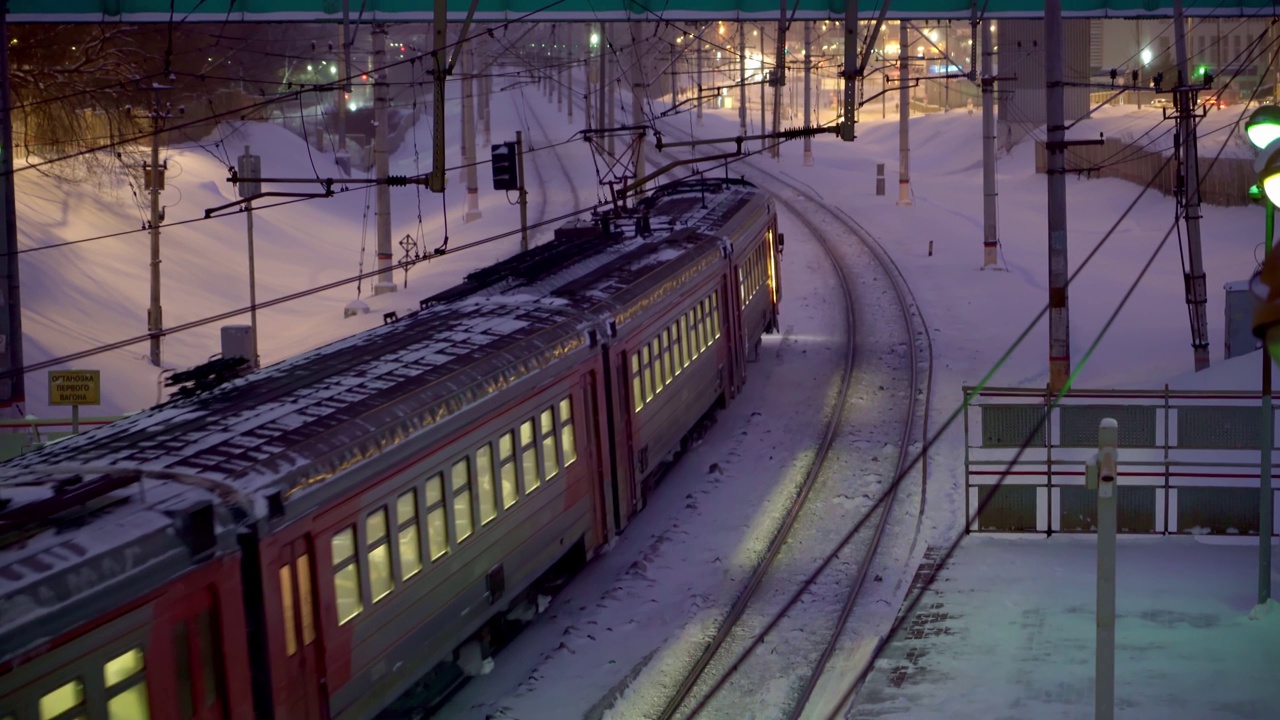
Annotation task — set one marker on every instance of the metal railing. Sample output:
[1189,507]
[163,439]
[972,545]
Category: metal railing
[1190,460]
[18,437]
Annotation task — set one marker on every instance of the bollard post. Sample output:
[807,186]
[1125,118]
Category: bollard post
[1101,474]
[879,178]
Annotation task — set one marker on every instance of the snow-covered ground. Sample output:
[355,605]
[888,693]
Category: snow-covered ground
[635,602]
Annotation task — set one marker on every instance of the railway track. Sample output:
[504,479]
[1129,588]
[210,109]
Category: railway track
[540,199]
[778,636]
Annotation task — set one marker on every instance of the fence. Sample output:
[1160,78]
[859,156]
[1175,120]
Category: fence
[1225,182]
[1189,461]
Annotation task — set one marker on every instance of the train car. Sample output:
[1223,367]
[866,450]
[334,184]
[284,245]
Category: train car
[317,537]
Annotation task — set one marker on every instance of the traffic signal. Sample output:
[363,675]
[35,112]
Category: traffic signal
[503,162]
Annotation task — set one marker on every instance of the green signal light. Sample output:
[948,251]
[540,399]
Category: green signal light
[1202,69]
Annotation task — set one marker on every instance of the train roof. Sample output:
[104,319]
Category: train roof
[170,484]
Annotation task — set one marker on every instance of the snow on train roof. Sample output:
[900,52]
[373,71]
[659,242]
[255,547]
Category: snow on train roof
[299,419]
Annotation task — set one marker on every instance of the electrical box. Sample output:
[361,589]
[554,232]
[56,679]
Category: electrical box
[1240,304]
[147,176]
[503,164]
[249,174]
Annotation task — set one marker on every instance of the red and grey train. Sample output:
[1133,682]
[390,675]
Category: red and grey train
[314,538]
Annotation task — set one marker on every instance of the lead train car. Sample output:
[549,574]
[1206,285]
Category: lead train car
[310,540]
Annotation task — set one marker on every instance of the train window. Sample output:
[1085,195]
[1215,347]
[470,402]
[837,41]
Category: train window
[715,316]
[507,459]
[690,345]
[666,354]
[126,687]
[647,372]
[59,703]
[529,457]
[303,566]
[659,378]
[635,382]
[547,429]
[379,554]
[699,329]
[437,543]
[567,442]
[484,482]
[674,330]
[346,574]
[407,534]
[286,610]
[460,481]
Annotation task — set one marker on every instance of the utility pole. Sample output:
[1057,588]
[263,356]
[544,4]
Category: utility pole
[469,134]
[1184,101]
[639,89]
[904,115]
[990,232]
[385,283]
[522,193]
[249,172]
[611,100]
[698,59]
[12,389]
[779,77]
[342,157]
[1055,146]
[849,89]
[742,78]
[764,141]
[568,61]
[602,46]
[155,178]
[808,100]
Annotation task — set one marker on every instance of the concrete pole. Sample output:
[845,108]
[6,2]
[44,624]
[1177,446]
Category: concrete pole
[611,100]
[601,82]
[698,60]
[904,116]
[558,56]
[154,322]
[848,95]
[340,155]
[808,99]
[1105,658]
[1055,116]
[1197,293]
[742,78]
[486,83]
[764,142]
[253,285]
[569,61]
[639,90]
[779,77]
[1266,499]
[12,390]
[522,193]
[469,134]
[990,233]
[385,283]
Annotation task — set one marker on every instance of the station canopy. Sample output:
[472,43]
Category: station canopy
[391,11]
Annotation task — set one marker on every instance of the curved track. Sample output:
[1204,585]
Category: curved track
[710,693]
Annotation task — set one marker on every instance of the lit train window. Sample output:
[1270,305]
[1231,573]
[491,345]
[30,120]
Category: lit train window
[691,349]
[674,330]
[715,316]
[567,442]
[547,429]
[62,701]
[647,370]
[507,458]
[375,531]
[346,574]
[407,534]
[635,383]
[666,354]
[286,610]
[460,481]
[126,686]
[529,457]
[484,482]
[659,380]
[437,542]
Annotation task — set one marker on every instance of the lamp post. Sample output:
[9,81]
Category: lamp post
[1263,130]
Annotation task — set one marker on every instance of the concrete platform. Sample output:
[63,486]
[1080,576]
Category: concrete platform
[1006,631]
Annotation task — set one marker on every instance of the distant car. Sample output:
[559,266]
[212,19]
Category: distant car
[1212,102]
[1162,102]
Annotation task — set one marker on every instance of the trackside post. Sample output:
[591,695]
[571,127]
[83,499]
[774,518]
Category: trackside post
[1100,474]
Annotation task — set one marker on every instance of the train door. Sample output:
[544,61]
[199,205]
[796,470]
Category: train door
[200,690]
[300,687]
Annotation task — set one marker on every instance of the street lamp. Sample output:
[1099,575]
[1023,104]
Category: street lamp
[1263,130]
